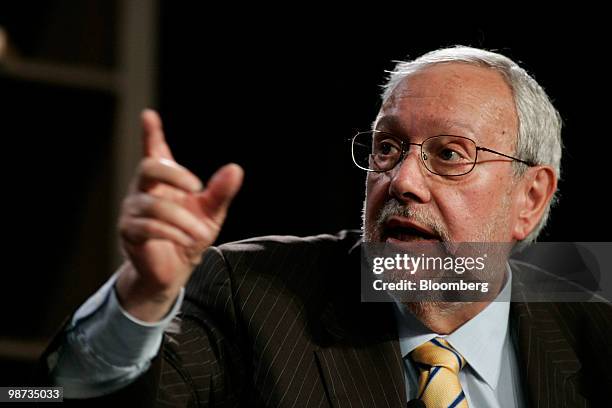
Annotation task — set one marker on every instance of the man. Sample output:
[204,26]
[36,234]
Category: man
[277,321]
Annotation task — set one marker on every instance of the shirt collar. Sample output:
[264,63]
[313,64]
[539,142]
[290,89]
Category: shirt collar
[480,340]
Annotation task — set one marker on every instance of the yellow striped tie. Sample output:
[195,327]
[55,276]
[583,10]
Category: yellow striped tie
[439,366]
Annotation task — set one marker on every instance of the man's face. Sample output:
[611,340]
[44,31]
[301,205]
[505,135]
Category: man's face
[408,202]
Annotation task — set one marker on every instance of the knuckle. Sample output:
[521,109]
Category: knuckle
[128,203]
[150,228]
[155,207]
[146,204]
[157,191]
[142,166]
[126,230]
[148,166]
[122,226]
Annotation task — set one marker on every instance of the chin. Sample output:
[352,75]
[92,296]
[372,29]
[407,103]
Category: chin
[426,308]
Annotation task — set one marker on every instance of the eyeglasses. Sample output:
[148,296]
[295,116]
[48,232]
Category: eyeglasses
[445,155]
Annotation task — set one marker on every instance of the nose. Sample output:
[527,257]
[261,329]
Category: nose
[408,179]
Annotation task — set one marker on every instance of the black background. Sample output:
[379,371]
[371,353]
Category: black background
[281,96]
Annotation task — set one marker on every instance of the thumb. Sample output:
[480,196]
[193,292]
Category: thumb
[221,189]
[153,139]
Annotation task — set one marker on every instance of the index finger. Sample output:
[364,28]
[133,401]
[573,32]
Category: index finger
[153,139]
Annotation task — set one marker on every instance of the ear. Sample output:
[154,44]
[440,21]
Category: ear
[536,190]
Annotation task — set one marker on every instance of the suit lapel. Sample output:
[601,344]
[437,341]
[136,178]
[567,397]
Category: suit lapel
[358,354]
[361,364]
[370,376]
[547,362]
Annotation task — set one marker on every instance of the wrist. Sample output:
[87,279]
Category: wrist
[141,300]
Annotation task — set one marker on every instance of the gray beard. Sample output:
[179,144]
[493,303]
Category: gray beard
[393,208]
[426,309]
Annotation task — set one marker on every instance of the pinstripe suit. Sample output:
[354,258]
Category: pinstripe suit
[277,321]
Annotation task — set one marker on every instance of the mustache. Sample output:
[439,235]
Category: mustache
[394,208]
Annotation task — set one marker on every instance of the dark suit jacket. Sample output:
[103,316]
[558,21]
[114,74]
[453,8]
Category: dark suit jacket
[277,321]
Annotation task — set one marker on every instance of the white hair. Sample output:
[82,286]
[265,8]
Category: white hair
[539,133]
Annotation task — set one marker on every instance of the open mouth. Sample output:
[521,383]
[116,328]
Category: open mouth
[408,235]
[397,229]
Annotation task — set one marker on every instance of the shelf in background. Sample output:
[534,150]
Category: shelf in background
[54,73]
[21,349]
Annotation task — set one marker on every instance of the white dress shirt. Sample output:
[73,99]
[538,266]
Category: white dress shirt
[490,378]
[106,348]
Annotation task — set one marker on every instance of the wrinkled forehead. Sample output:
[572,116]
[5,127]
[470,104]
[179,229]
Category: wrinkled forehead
[452,98]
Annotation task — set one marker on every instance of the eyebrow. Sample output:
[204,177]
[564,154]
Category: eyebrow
[392,122]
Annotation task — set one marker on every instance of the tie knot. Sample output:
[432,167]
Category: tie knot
[438,353]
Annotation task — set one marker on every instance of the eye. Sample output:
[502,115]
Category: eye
[385,154]
[387,147]
[449,155]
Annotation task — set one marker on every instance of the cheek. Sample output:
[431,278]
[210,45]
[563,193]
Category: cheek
[377,188]
[454,207]
[469,207]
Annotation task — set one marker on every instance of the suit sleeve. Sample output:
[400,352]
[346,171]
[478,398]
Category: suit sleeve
[201,361]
